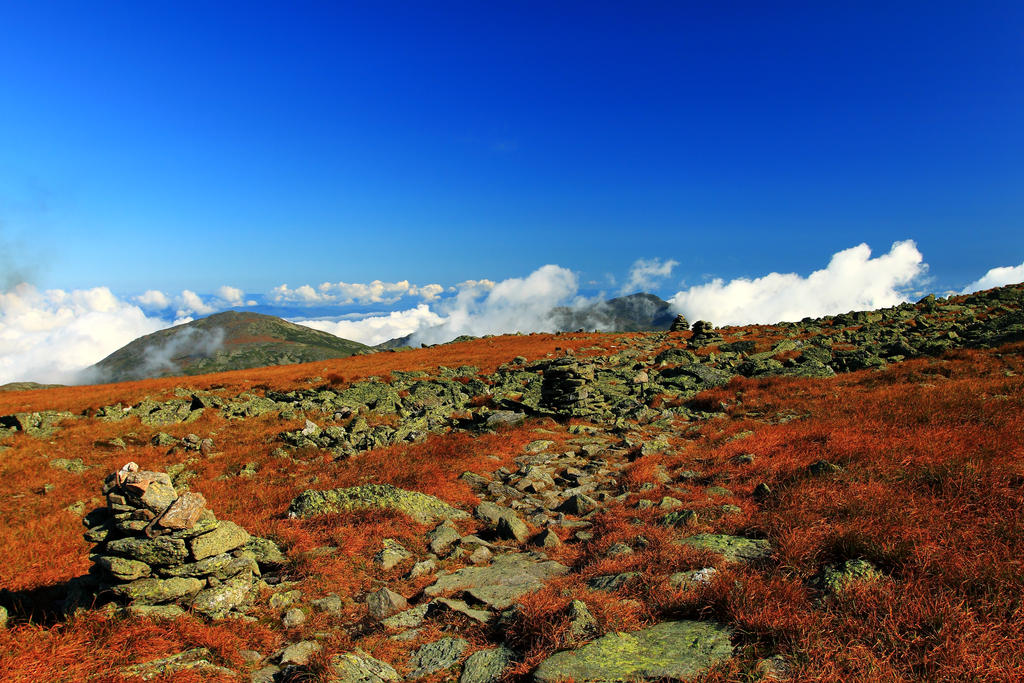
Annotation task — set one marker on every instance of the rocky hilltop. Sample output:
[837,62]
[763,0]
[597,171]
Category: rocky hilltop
[831,499]
[224,341]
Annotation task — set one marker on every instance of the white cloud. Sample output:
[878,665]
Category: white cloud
[189,302]
[646,273]
[479,307]
[231,296]
[154,299]
[51,336]
[997,277]
[851,281]
[346,293]
[376,329]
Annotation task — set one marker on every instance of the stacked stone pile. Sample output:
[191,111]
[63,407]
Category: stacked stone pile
[680,324]
[567,390]
[160,551]
[704,334]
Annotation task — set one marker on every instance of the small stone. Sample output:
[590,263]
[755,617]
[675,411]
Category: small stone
[481,555]
[577,504]
[582,623]
[286,599]
[618,550]
[611,582]
[250,657]
[547,539]
[762,491]
[681,579]
[442,538]
[669,503]
[3,617]
[422,569]
[823,467]
[512,527]
[267,674]
[384,603]
[183,512]
[331,604]
[391,555]
[299,653]
[293,618]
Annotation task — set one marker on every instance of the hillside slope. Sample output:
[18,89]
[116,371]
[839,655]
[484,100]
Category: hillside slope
[223,341]
[834,499]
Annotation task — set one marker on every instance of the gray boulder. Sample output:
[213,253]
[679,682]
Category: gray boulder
[674,650]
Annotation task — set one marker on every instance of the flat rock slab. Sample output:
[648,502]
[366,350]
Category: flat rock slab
[359,667]
[226,537]
[156,591]
[732,548]
[499,585]
[196,660]
[676,650]
[437,656]
[421,507]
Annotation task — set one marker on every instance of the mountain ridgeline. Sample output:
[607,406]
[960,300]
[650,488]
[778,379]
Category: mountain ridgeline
[224,341]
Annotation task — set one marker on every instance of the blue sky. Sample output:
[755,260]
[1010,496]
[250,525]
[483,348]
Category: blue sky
[192,145]
[460,168]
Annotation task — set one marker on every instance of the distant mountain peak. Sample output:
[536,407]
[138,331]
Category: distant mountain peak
[232,340]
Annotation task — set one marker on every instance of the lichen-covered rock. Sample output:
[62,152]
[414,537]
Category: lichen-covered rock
[836,579]
[421,507]
[384,602]
[437,656]
[499,585]
[732,548]
[162,550]
[359,667]
[391,555]
[73,465]
[196,659]
[156,591]
[41,425]
[215,602]
[124,569]
[674,650]
[300,653]
[226,537]
[265,551]
[486,666]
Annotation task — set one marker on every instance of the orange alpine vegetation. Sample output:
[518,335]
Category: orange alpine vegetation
[891,499]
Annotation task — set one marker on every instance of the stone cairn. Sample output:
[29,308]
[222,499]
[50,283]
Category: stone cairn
[565,389]
[704,334]
[161,552]
[680,324]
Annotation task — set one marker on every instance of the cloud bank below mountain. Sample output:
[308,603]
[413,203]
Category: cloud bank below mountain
[51,336]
